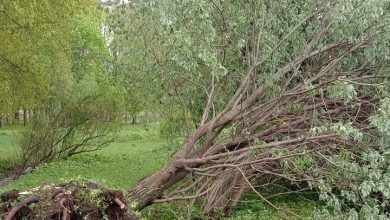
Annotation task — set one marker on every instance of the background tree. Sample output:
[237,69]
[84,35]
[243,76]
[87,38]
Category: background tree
[131,67]
[84,107]
[56,62]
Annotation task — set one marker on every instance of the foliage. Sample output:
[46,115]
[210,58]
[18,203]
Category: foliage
[130,66]
[366,171]
[34,35]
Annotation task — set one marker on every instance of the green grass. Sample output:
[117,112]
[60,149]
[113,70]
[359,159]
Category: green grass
[119,165]
[8,147]
[291,206]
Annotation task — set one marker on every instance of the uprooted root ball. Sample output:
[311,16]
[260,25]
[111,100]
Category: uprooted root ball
[68,201]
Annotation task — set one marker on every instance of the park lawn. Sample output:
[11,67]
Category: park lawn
[134,154]
[290,206]
[8,147]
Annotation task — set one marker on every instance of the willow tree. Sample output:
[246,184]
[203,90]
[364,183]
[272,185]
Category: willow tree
[54,59]
[294,91]
[279,84]
[83,107]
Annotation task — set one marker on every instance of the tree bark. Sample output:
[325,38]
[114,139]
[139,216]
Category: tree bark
[24,117]
[152,188]
[127,118]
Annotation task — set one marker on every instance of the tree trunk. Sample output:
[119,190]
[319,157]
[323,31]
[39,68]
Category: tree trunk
[24,117]
[148,190]
[16,118]
[127,118]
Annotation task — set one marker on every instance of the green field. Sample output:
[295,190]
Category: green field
[133,155]
[8,148]
[136,152]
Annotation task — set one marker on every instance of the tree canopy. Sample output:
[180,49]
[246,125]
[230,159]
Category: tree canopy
[36,48]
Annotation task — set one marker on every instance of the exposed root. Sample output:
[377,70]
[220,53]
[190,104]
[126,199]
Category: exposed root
[21,206]
[120,203]
[69,201]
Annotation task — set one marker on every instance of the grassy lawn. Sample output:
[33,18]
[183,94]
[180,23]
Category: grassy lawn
[291,206]
[119,165]
[8,147]
[135,153]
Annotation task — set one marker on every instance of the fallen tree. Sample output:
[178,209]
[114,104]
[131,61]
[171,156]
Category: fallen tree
[311,120]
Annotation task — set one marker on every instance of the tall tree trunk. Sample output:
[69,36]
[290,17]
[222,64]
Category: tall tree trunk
[16,118]
[24,117]
[127,118]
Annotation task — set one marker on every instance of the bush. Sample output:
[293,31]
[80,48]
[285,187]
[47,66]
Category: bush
[84,121]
